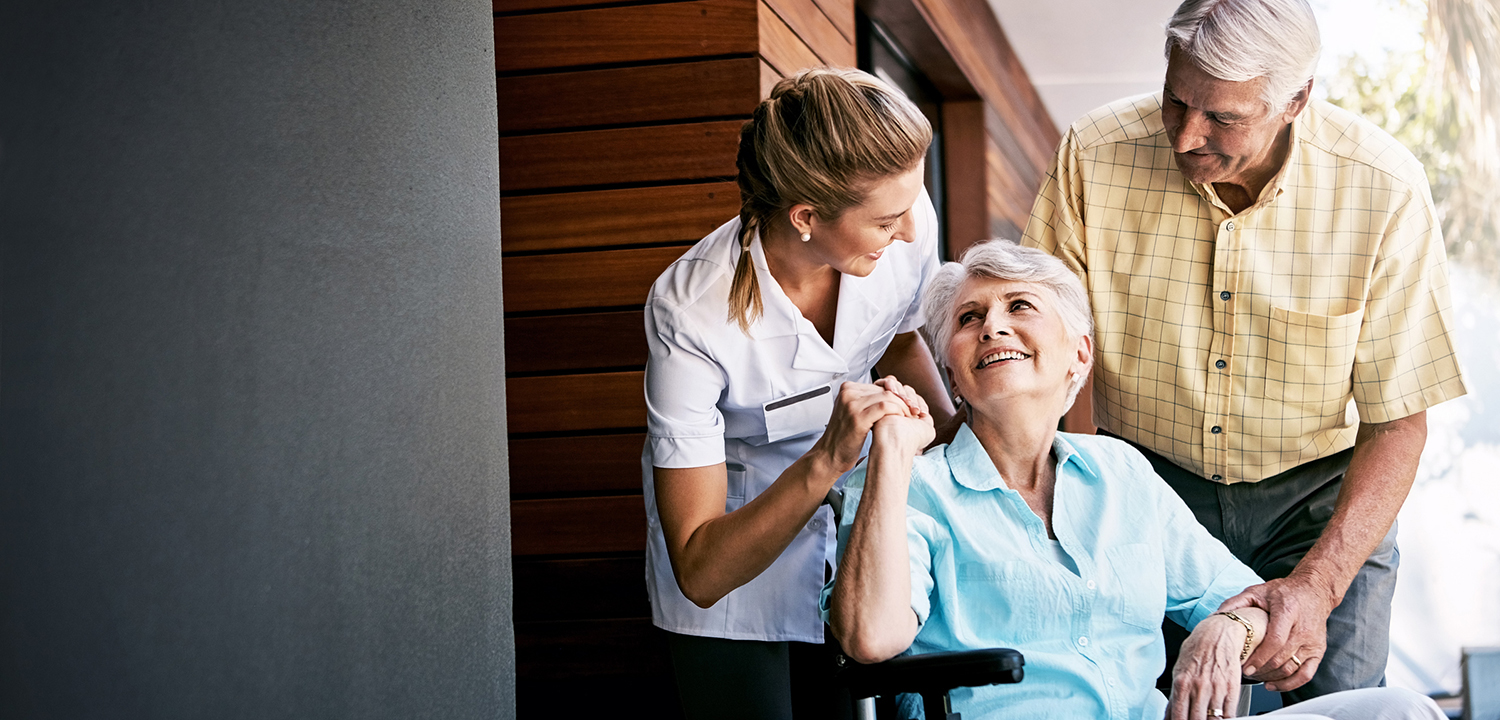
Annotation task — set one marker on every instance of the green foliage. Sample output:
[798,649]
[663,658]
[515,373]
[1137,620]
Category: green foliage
[1443,104]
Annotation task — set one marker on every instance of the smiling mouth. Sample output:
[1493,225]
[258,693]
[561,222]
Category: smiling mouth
[996,357]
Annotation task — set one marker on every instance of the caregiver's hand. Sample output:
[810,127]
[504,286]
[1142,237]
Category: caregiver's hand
[855,411]
[1206,679]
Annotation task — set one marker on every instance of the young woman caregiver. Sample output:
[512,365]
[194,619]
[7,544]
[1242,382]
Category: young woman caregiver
[762,340]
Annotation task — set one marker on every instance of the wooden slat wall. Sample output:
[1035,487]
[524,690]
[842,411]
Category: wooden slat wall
[619,127]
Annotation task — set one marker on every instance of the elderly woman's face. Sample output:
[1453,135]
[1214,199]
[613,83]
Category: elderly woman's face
[1009,340]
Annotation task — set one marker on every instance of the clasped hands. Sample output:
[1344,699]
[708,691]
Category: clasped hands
[894,411]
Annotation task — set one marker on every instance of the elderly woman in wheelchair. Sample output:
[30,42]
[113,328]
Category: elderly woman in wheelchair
[1067,547]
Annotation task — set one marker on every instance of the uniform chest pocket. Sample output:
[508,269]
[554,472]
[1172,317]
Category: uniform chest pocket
[1310,359]
[1140,587]
[798,414]
[879,342]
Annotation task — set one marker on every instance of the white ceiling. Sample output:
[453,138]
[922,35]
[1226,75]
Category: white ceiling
[1081,54]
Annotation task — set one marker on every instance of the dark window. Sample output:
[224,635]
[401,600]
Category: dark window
[881,56]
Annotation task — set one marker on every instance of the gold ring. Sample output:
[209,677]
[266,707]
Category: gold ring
[1297,660]
[1216,713]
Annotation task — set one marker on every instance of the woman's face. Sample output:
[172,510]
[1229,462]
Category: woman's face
[1009,342]
[855,240]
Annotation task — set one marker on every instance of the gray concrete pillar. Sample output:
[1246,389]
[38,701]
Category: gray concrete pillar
[252,427]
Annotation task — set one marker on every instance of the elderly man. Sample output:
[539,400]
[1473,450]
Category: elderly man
[1256,261]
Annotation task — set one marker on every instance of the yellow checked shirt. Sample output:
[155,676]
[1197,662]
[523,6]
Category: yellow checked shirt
[1233,345]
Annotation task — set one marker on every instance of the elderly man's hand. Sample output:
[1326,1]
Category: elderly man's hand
[1297,636]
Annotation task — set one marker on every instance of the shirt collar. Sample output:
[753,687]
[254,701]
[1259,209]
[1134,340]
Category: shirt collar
[972,468]
[1277,185]
[781,318]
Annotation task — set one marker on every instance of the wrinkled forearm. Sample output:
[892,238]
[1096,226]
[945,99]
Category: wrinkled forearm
[870,610]
[1380,475]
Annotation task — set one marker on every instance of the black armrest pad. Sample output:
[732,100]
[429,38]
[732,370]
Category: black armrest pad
[940,671]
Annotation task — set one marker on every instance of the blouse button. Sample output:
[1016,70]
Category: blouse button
[1083,641]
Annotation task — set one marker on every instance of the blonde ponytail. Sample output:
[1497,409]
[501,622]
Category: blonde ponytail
[821,137]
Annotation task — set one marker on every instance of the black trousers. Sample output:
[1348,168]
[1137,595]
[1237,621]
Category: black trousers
[1270,525]
[755,680]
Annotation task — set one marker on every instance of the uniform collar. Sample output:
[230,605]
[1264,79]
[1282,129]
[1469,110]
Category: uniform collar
[782,318]
[972,468]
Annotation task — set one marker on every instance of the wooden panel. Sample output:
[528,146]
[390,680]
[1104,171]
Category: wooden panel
[578,525]
[588,648]
[768,79]
[609,278]
[634,33]
[590,589]
[654,93]
[781,47]
[973,36]
[658,154]
[615,217]
[551,343]
[1010,195]
[513,6]
[608,464]
[816,30]
[1080,417]
[570,403]
[964,174]
[841,14]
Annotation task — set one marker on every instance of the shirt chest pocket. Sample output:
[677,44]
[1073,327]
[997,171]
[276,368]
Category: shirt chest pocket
[1309,359]
[1013,601]
[1140,587]
[880,341]
[798,414]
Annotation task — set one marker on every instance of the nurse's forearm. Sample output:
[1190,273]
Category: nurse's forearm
[712,552]
[870,611]
[909,360]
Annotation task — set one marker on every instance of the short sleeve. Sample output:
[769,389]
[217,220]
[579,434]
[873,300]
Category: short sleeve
[1405,360]
[1057,222]
[917,546]
[927,224]
[683,386]
[1201,572]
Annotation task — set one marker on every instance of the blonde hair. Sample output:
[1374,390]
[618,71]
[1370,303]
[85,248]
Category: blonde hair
[820,138]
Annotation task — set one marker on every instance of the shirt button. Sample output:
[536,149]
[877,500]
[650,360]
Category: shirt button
[1091,584]
[1083,641]
[1218,478]
[1223,294]
[1229,226]
[1220,364]
[1216,430]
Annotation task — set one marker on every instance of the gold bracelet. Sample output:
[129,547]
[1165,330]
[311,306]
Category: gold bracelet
[1249,631]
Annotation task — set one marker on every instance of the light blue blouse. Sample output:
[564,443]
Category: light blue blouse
[984,575]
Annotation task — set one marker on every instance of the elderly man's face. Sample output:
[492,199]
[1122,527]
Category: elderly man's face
[1220,130]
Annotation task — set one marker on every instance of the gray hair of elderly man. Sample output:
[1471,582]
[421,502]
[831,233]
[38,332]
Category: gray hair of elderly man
[1004,260]
[1239,40]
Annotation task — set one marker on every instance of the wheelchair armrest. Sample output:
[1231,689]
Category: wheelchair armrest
[933,672]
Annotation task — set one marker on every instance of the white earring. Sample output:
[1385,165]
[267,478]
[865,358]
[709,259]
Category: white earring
[806,236]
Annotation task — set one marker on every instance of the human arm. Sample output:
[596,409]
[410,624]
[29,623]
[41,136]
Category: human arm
[908,359]
[1208,670]
[714,552]
[870,611]
[1380,475]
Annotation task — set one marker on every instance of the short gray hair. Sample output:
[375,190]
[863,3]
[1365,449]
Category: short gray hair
[1003,260]
[1239,40]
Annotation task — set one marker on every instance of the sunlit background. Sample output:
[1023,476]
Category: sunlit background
[1436,87]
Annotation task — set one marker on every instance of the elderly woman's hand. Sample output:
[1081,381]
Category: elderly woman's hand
[858,407]
[907,434]
[1206,679]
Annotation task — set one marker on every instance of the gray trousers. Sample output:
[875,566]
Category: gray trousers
[1269,526]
